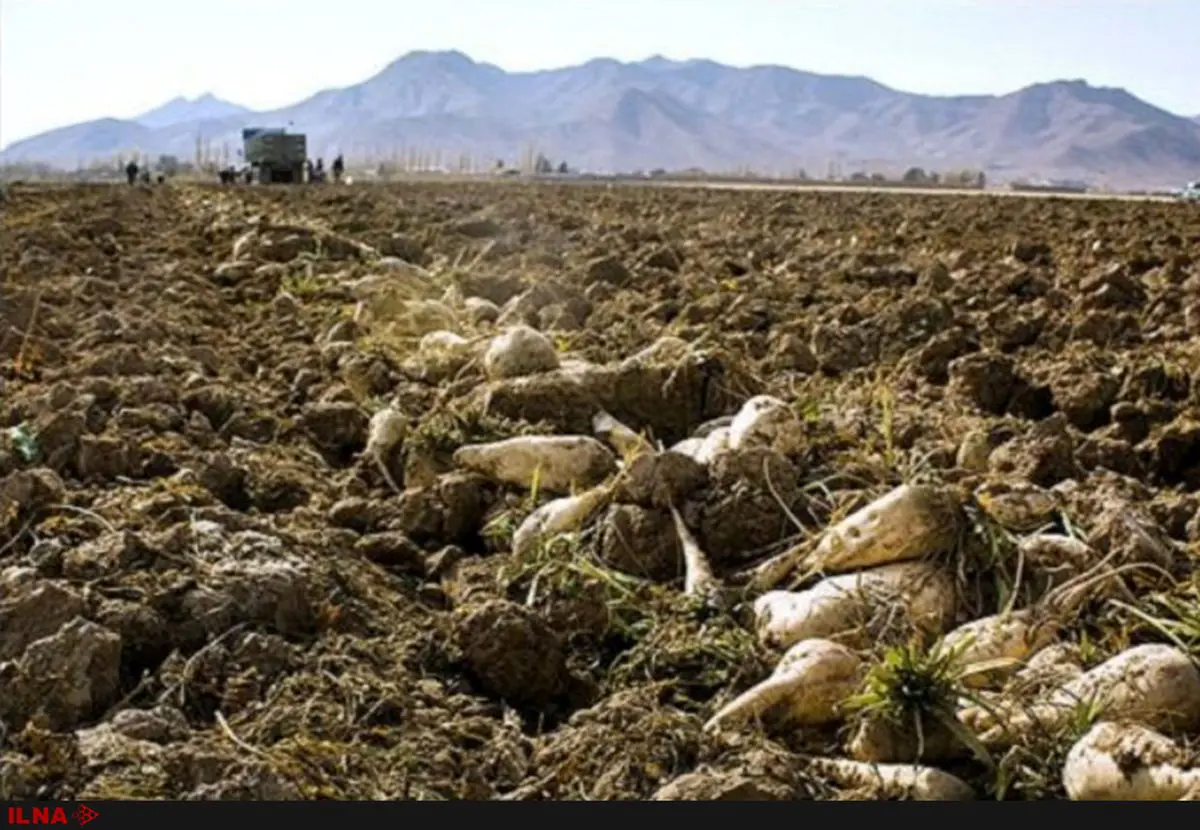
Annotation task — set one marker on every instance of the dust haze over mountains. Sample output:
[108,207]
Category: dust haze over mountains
[608,116]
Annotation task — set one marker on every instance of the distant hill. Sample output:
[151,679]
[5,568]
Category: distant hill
[610,116]
[180,111]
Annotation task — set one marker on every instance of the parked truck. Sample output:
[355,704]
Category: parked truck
[274,155]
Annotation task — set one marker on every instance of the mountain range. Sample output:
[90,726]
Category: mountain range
[610,116]
[181,110]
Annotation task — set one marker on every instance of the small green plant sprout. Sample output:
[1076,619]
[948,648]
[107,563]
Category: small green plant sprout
[913,685]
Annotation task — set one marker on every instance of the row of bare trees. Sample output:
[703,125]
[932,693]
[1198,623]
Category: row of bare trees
[400,160]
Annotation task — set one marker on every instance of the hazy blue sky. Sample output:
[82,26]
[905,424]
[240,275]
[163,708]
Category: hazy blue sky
[63,61]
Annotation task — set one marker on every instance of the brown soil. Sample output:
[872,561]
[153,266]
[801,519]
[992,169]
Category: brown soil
[207,592]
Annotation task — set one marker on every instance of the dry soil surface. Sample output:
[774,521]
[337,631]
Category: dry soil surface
[207,591]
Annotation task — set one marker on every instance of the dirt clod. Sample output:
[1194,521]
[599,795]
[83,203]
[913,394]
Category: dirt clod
[512,652]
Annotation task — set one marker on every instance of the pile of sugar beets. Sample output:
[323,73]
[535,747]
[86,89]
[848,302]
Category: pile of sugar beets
[888,567]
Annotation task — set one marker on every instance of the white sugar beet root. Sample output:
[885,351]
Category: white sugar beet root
[839,606]
[698,573]
[689,447]
[555,462]
[384,433]
[563,515]
[888,781]
[704,450]
[518,352]
[806,688]
[1001,640]
[1155,685]
[618,436]
[755,421]
[1128,762]
[910,522]
[715,443]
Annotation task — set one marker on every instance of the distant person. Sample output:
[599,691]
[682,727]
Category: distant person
[339,167]
[131,172]
[312,171]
